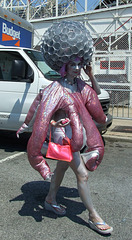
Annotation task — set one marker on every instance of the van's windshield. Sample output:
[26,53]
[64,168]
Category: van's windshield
[39,61]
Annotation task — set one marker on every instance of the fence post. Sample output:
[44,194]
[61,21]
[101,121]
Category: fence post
[130,79]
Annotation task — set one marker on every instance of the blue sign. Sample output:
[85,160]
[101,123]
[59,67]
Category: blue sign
[13,35]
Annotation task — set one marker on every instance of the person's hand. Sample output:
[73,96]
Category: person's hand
[21,129]
[60,123]
[88,70]
[66,141]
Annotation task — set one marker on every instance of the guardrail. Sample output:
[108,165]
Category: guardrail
[120,103]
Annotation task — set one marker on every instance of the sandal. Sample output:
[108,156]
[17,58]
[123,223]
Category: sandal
[93,225]
[58,209]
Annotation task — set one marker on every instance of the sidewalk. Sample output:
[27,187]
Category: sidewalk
[120,130]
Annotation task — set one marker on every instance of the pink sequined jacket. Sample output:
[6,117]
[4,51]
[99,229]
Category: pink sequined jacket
[85,103]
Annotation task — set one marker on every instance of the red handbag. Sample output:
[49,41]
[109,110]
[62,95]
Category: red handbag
[59,152]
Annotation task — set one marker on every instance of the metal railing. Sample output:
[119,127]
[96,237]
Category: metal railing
[120,103]
[36,9]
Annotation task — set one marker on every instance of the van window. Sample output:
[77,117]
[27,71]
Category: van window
[38,59]
[14,68]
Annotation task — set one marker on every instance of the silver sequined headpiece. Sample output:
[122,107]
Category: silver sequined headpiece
[65,41]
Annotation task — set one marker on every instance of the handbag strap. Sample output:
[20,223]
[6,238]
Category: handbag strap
[50,134]
[68,140]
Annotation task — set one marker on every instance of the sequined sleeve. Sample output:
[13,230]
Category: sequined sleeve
[92,102]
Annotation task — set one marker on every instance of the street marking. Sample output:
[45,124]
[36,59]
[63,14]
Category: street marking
[11,157]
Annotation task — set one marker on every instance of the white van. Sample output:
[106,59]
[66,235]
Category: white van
[23,73]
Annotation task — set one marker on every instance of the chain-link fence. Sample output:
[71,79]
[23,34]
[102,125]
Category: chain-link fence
[120,103]
[112,63]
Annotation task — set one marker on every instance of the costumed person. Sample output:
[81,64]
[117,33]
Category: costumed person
[67,48]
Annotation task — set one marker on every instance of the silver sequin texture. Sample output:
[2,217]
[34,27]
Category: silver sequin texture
[65,41]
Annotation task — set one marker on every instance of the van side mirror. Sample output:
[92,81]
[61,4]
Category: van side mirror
[18,70]
[22,71]
[29,74]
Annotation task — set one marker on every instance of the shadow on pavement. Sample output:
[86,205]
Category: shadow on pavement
[10,143]
[33,195]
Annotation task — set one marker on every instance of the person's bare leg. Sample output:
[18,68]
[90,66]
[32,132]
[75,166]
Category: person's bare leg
[61,166]
[56,181]
[81,173]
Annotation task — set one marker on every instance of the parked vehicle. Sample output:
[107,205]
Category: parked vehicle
[15,31]
[23,73]
[118,88]
[112,73]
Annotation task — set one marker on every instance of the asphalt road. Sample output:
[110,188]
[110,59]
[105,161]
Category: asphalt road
[22,213]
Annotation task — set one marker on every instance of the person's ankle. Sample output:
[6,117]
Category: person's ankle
[50,200]
[93,215]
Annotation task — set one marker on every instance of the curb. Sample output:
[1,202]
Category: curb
[117,138]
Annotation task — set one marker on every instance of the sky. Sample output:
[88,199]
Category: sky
[80,3]
[90,4]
